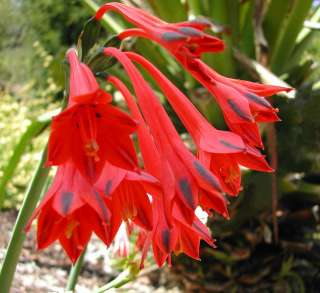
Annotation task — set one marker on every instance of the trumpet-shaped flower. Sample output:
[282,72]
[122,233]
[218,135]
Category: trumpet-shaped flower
[90,131]
[70,211]
[184,38]
[191,176]
[242,102]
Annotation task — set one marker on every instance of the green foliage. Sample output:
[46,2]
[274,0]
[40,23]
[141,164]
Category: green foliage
[34,36]
[18,154]
[299,134]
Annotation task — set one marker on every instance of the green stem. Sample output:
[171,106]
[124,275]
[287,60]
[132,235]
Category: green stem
[122,279]
[125,277]
[75,272]
[15,246]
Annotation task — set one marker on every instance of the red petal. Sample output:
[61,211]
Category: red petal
[253,159]
[83,85]
[50,227]
[259,89]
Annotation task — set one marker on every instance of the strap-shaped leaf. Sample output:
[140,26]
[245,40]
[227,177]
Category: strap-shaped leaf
[32,131]
[169,10]
[288,34]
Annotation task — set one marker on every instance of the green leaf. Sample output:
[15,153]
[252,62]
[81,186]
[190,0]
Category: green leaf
[169,10]
[32,131]
[274,19]
[223,61]
[305,37]
[287,35]
[195,7]
[247,41]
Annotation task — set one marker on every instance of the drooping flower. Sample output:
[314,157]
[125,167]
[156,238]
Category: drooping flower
[242,102]
[126,194]
[222,151]
[185,38]
[189,236]
[74,207]
[90,131]
[183,237]
[191,177]
[98,186]
[157,165]
[169,223]
[70,211]
[88,193]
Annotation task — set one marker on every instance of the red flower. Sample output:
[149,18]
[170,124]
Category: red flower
[164,199]
[242,102]
[190,175]
[126,194]
[164,235]
[182,237]
[72,208]
[189,236]
[70,212]
[185,38]
[225,150]
[90,131]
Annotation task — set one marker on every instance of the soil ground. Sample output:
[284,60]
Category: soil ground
[47,270]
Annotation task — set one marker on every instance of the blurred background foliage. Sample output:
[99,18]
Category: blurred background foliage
[266,41]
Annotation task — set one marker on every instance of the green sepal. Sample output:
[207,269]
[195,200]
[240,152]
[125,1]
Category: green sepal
[89,36]
[98,61]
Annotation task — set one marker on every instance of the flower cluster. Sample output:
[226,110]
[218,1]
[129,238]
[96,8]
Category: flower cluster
[99,184]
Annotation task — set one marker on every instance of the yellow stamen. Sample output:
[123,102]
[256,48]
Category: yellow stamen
[70,228]
[91,150]
[130,213]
